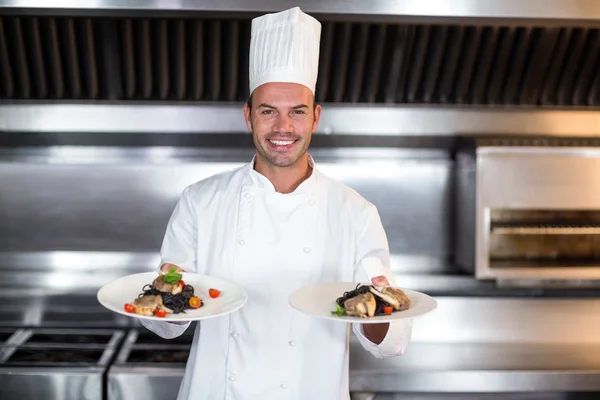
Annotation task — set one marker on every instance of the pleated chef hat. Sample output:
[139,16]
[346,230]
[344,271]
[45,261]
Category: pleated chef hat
[284,47]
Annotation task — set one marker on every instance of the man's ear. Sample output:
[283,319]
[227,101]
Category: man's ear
[317,118]
[248,117]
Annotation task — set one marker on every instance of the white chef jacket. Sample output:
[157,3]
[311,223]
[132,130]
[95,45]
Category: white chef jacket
[235,226]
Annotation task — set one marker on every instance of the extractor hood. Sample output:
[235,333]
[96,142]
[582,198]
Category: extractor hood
[386,67]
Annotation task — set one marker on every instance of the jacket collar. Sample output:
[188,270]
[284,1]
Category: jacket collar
[259,180]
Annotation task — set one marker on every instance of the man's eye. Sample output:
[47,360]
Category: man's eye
[267,112]
[299,112]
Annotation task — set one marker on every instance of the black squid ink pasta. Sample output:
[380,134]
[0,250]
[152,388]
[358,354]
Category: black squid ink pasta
[177,302]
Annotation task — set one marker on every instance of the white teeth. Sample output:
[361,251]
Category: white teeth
[281,142]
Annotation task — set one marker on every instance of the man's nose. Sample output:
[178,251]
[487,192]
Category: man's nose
[284,123]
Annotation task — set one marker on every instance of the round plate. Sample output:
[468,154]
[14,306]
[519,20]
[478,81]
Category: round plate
[115,294]
[319,301]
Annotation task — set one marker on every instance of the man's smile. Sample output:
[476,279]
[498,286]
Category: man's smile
[281,144]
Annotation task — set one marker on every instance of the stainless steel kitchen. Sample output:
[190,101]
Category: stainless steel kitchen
[472,126]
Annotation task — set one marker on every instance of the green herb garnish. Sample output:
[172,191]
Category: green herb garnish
[172,276]
[339,311]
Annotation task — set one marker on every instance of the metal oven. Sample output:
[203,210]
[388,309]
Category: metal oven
[531,214]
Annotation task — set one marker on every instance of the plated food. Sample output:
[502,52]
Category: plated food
[173,296]
[168,294]
[361,303]
[366,301]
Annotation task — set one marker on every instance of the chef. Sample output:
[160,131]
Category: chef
[273,226]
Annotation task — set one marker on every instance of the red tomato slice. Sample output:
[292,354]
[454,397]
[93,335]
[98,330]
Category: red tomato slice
[160,313]
[195,302]
[388,310]
[182,283]
[214,293]
[130,308]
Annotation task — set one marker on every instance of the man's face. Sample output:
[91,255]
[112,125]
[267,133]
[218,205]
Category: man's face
[282,120]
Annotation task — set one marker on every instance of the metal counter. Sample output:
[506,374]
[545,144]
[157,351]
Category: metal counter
[479,368]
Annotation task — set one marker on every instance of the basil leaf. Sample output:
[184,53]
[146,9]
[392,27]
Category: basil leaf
[172,276]
[339,311]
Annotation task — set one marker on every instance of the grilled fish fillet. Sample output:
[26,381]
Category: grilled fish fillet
[146,305]
[363,306]
[173,288]
[394,297]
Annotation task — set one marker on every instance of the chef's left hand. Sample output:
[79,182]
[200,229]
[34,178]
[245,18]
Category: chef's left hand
[377,332]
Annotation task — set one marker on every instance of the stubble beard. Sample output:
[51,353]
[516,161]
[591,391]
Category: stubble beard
[281,160]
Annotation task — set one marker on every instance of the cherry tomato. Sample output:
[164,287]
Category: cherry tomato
[130,308]
[195,302]
[214,293]
[388,310]
[182,283]
[160,313]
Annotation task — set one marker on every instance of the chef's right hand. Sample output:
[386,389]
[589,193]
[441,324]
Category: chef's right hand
[167,266]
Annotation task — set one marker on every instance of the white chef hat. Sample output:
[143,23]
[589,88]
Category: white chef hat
[284,47]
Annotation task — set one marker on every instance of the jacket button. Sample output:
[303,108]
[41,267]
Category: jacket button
[241,242]
[284,385]
[307,249]
[235,335]
[292,343]
[247,195]
[232,377]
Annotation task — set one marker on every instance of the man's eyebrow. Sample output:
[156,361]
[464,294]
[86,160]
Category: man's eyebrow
[265,105]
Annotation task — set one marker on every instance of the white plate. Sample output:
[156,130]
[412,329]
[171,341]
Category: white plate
[319,301]
[115,294]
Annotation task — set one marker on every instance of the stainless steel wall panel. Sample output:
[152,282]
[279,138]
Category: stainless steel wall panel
[119,201]
[510,320]
[100,208]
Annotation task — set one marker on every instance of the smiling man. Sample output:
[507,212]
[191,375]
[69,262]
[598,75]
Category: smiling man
[274,226]
[282,123]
